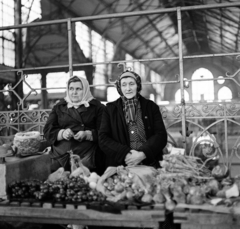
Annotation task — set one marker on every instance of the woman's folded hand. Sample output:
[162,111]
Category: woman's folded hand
[80,135]
[134,157]
[67,134]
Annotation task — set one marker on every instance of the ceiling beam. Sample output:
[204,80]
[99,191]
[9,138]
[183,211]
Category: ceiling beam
[130,28]
[190,23]
[156,29]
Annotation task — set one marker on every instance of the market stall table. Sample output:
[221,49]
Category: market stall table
[207,217]
[90,214]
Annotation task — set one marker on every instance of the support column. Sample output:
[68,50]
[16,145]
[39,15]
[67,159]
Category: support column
[44,93]
[18,49]
[89,75]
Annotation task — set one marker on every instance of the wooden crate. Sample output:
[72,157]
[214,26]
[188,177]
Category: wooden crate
[83,214]
[207,217]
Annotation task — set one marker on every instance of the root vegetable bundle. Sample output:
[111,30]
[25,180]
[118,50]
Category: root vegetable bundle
[188,166]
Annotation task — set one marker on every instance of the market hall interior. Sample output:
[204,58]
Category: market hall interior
[186,53]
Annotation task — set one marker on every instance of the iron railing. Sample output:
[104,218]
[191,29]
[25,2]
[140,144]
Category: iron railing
[185,117]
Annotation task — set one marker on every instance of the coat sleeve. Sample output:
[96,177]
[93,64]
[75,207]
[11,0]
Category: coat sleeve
[52,127]
[158,138]
[114,150]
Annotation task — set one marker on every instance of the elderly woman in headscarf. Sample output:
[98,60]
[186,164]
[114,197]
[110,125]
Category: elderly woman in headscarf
[132,131]
[73,125]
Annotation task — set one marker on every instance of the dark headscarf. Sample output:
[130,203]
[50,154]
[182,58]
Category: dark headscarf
[131,74]
[129,105]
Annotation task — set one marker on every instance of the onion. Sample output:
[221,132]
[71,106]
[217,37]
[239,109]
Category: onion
[170,205]
[159,198]
[129,195]
[147,198]
[119,187]
[92,185]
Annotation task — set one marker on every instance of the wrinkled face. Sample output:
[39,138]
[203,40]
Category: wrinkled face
[75,91]
[128,87]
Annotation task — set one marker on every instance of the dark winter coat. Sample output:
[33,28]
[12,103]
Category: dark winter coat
[114,136]
[83,118]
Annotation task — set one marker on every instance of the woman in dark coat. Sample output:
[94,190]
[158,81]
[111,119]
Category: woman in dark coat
[73,125]
[132,130]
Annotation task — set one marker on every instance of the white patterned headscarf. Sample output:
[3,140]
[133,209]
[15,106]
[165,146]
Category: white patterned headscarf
[87,95]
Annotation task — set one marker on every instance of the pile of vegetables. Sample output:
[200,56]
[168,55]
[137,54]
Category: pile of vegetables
[182,165]
[24,189]
[196,191]
[185,179]
[63,190]
[134,184]
[79,185]
[181,179]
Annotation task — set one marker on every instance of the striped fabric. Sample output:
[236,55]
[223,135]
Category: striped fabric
[129,109]
[136,130]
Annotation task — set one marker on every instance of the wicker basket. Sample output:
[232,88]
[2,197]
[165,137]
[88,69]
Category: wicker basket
[27,143]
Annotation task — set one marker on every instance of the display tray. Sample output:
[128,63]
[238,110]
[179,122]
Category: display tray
[105,213]
[105,205]
[207,216]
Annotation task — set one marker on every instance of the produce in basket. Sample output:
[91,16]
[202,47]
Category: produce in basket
[128,183]
[79,170]
[27,143]
[77,166]
[206,151]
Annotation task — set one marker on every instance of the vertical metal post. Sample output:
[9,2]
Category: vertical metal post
[181,75]
[18,32]
[226,134]
[90,44]
[18,48]
[18,57]
[44,93]
[69,26]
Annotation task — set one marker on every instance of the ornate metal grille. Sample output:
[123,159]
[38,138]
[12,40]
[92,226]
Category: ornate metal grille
[185,118]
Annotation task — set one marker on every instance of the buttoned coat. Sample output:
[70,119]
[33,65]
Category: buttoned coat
[114,136]
[83,118]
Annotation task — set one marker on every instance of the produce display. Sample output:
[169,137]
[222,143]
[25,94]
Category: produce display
[180,180]
[185,179]
[132,184]
[79,185]
[62,190]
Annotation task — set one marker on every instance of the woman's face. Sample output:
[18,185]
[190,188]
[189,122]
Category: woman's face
[129,87]
[75,91]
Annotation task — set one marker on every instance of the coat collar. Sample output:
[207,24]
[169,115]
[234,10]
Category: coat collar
[63,102]
[142,101]
[72,112]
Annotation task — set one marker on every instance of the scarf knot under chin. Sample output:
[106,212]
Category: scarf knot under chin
[129,108]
